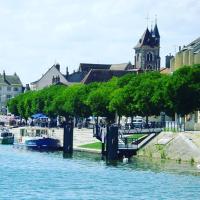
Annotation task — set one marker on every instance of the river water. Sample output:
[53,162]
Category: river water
[43,176]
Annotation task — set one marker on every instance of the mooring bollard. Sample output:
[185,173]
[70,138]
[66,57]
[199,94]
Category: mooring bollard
[112,143]
[68,139]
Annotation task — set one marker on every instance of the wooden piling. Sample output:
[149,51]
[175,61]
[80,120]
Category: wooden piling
[112,143]
[68,139]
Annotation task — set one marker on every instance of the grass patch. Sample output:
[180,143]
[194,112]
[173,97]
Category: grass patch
[96,145]
[136,136]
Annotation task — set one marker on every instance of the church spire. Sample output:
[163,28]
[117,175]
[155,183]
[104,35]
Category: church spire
[155,30]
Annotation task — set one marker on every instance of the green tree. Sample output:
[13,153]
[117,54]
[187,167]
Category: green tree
[183,90]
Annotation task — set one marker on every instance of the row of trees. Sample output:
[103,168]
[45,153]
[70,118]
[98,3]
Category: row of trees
[145,94]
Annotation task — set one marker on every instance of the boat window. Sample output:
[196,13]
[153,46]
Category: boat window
[37,133]
[9,134]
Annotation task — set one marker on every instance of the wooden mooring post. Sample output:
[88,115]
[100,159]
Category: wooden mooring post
[68,139]
[112,143]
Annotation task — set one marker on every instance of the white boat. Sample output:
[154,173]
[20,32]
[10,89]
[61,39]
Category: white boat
[36,139]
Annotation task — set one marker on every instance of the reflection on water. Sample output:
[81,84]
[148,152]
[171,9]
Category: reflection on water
[41,175]
[141,164]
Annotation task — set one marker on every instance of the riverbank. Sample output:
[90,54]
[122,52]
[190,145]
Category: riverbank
[81,137]
[181,146]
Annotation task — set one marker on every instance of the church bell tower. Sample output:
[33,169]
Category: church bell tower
[147,50]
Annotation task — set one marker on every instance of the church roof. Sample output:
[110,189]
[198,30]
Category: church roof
[156,32]
[146,39]
[149,38]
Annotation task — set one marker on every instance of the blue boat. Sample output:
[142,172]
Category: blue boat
[36,139]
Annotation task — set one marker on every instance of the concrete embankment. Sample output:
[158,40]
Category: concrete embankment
[81,137]
[182,146]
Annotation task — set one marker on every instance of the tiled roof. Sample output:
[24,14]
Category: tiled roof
[194,46]
[76,76]
[98,75]
[122,66]
[88,66]
[10,79]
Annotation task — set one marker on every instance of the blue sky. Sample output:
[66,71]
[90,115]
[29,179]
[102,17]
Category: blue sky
[35,34]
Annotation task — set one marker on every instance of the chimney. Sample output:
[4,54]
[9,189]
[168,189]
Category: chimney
[67,72]
[167,60]
[57,66]
[27,88]
[179,48]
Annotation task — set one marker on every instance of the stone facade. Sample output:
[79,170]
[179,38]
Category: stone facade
[188,55]
[10,86]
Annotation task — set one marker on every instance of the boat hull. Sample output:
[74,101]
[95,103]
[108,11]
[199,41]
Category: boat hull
[7,140]
[43,144]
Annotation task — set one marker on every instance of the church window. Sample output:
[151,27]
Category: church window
[137,56]
[149,56]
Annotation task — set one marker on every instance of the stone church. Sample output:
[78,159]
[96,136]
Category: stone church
[147,50]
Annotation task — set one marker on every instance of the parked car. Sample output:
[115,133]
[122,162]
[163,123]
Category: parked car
[138,123]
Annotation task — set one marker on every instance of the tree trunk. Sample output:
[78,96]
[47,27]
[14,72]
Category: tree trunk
[97,120]
[147,120]
[119,120]
[131,119]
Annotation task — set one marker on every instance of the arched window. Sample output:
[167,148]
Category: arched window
[149,56]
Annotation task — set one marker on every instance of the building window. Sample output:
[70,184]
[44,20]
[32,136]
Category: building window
[15,89]
[8,88]
[8,96]
[149,56]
